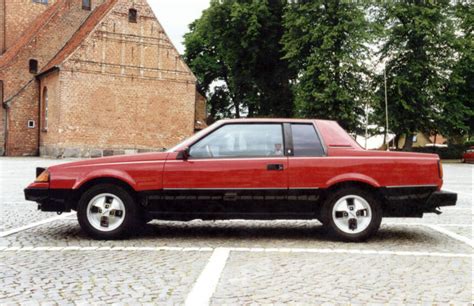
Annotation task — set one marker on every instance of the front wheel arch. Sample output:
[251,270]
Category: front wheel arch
[98,181]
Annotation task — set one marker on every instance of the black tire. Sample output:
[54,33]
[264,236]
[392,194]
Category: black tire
[130,213]
[329,218]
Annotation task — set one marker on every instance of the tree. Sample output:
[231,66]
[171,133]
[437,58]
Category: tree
[418,52]
[326,43]
[457,118]
[234,50]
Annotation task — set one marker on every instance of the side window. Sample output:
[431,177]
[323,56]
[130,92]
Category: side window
[305,140]
[44,110]
[241,140]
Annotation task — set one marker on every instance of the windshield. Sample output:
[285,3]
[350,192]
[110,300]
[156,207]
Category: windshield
[186,142]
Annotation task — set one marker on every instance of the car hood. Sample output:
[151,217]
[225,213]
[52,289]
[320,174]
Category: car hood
[113,160]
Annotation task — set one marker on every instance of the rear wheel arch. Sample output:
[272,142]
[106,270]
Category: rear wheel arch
[375,190]
[364,186]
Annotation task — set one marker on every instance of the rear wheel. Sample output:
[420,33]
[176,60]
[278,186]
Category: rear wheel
[352,214]
[107,211]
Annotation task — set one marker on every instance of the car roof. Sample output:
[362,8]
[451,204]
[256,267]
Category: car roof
[270,120]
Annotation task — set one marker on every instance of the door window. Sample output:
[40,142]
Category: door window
[305,141]
[241,140]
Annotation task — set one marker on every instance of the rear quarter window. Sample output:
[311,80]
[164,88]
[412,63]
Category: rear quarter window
[306,141]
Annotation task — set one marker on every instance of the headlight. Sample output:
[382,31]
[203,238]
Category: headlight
[43,177]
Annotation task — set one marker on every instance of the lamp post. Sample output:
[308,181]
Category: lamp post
[386,108]
[366,123]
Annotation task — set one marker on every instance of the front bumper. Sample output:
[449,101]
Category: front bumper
[50,199]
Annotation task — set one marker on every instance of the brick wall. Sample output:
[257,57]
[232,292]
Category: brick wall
[125,89]
[200,112]
[2,26]
[18,16]
[20,88]
[23,141]
[95,113]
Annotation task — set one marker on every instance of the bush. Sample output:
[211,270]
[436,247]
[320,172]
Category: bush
[469,143]
[453,151]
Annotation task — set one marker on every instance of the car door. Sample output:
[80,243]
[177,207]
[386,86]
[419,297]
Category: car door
[307,166]
[239,168]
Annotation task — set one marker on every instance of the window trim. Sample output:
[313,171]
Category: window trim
[241,157]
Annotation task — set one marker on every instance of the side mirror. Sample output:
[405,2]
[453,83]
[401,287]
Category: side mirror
[183,154]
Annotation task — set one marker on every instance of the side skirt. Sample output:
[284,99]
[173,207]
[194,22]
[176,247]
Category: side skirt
[231,204]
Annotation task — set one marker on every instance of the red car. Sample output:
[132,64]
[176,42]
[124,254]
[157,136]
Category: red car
[251,169]
[468,156]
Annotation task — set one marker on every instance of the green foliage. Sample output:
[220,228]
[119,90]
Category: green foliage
[453,151]
[458,111]
[469,143]
[326,42]
[417,47]
[314,59]
[235,46]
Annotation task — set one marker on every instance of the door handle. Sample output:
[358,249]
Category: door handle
[275,167]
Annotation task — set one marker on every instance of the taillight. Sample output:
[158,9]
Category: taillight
[440,169]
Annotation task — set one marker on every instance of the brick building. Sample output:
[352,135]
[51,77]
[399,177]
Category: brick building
[91,78]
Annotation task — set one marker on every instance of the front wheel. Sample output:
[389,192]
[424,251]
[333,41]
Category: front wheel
[107,211]
[352,214]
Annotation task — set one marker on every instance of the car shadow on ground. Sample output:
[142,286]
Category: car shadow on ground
[309,231]
[209,233]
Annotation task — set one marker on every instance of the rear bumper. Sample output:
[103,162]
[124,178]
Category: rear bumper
[415,201]
[50,199]
[441,198]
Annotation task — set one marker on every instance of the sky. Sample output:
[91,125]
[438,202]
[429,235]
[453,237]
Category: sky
[176,15]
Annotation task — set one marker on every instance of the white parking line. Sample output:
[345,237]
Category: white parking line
[31,225]
[206,284]
[423,224]
[213,260]
[448,208]
[451,234]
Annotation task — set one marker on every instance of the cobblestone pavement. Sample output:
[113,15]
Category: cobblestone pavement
[410,261]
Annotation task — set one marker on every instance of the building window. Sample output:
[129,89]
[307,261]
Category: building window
[44,110]
[31,124]
[33,65]
[132,15]
[86,5]
[41,1]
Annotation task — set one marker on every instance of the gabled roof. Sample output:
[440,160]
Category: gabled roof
[86,28]
[29,33]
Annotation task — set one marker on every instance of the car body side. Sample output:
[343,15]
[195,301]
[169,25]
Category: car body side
[169,187]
